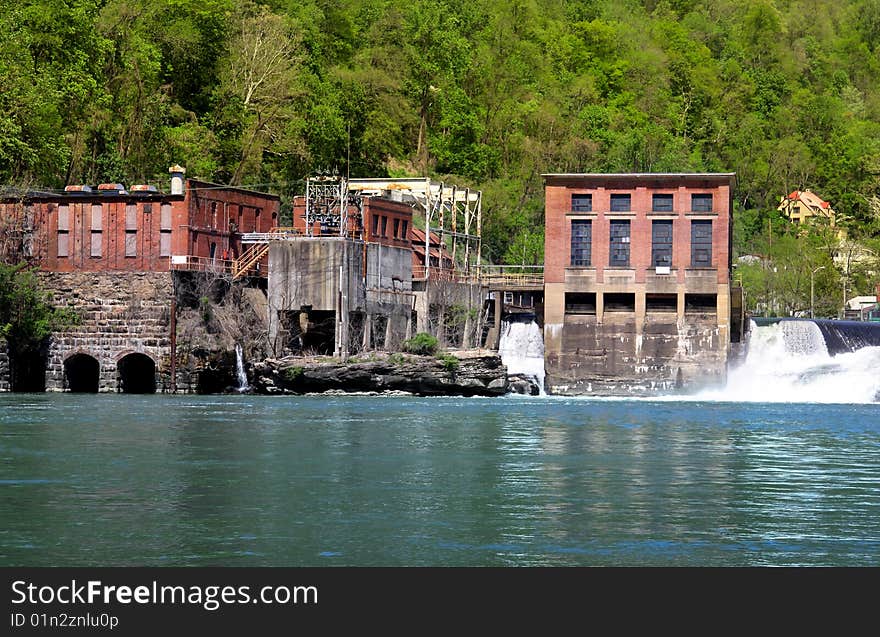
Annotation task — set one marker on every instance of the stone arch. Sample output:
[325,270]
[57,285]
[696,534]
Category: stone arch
[82,373]
[136,373]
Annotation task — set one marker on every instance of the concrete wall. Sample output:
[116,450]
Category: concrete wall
[305,271]
[121,313]
[450,311]
[637,352]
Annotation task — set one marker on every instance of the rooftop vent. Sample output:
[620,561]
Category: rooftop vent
[111,189]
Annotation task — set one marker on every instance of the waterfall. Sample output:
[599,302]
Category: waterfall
[240,375]
[791,361]
[521,348]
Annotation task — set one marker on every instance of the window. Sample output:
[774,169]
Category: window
[131,230]
[375,232]
[404,230]
[619,302]
[700,303]
[397,228]
[620,203]
[661,243]
[63,231]
[213,214]
[661,203]
[661,302]
[582,203]
[384,226]
[619,243]
[581,242]
[165,230]
[701,203]
[580,302]
[701,244]
[97,227]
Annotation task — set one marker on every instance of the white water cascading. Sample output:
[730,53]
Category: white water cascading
[521,348]
[240,375]
[788,361]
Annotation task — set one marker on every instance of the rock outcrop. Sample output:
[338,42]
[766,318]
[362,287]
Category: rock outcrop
[418,375]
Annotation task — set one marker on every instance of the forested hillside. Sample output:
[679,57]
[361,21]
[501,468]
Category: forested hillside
[785,93]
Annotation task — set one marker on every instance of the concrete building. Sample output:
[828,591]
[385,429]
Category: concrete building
[112,253]
[636,281]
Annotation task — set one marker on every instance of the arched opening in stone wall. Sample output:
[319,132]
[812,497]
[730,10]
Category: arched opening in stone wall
[137,374]
[82,373]
[28,371]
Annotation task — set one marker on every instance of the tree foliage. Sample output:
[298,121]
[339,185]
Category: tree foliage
[489,95]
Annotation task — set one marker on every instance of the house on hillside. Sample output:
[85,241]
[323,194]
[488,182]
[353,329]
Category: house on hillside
[803,205]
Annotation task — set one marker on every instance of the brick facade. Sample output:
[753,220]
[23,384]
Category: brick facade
[631,322]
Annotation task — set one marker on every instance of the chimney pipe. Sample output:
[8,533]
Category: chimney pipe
[177,173]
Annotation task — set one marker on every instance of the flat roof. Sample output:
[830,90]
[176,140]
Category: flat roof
[729,177]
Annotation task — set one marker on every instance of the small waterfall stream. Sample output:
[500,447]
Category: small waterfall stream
[240,375]
[521,348]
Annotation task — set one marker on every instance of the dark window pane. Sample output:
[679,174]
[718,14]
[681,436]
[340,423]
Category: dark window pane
[620,203]
[661,243]
[582,203]
[619,243]
[661,203]
[701,244]
[701,203]
[581,242]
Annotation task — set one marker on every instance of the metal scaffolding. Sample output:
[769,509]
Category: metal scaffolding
[334,206]
[454,214]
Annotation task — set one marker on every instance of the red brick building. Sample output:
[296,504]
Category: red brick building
[637,271]
[111,228]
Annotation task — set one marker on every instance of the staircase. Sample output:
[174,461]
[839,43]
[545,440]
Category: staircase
[248,259]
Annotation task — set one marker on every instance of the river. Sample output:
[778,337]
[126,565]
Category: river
[114,480]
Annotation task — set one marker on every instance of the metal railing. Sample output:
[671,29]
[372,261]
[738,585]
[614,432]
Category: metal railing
[201,264]
[512,275]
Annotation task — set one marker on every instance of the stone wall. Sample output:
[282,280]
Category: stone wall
[120,313]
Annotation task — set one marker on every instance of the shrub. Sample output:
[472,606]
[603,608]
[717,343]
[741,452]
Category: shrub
[450,362]
[422,343]
[293,374]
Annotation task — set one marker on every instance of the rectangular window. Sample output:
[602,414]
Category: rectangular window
[63,231]
[619,243]
[700,304]
[581,242]
[384,226]
[661,243]
[701,244]
[130,243]
[701,203]
[619,302]
[661,203]
[96,217]
[165,217]
[582,203]
[620,203]
[96,243]
[375,231]
[404,232]
[165,243]
[131,216]
[661,302]
[96,238]
[397,228]
[580,302]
